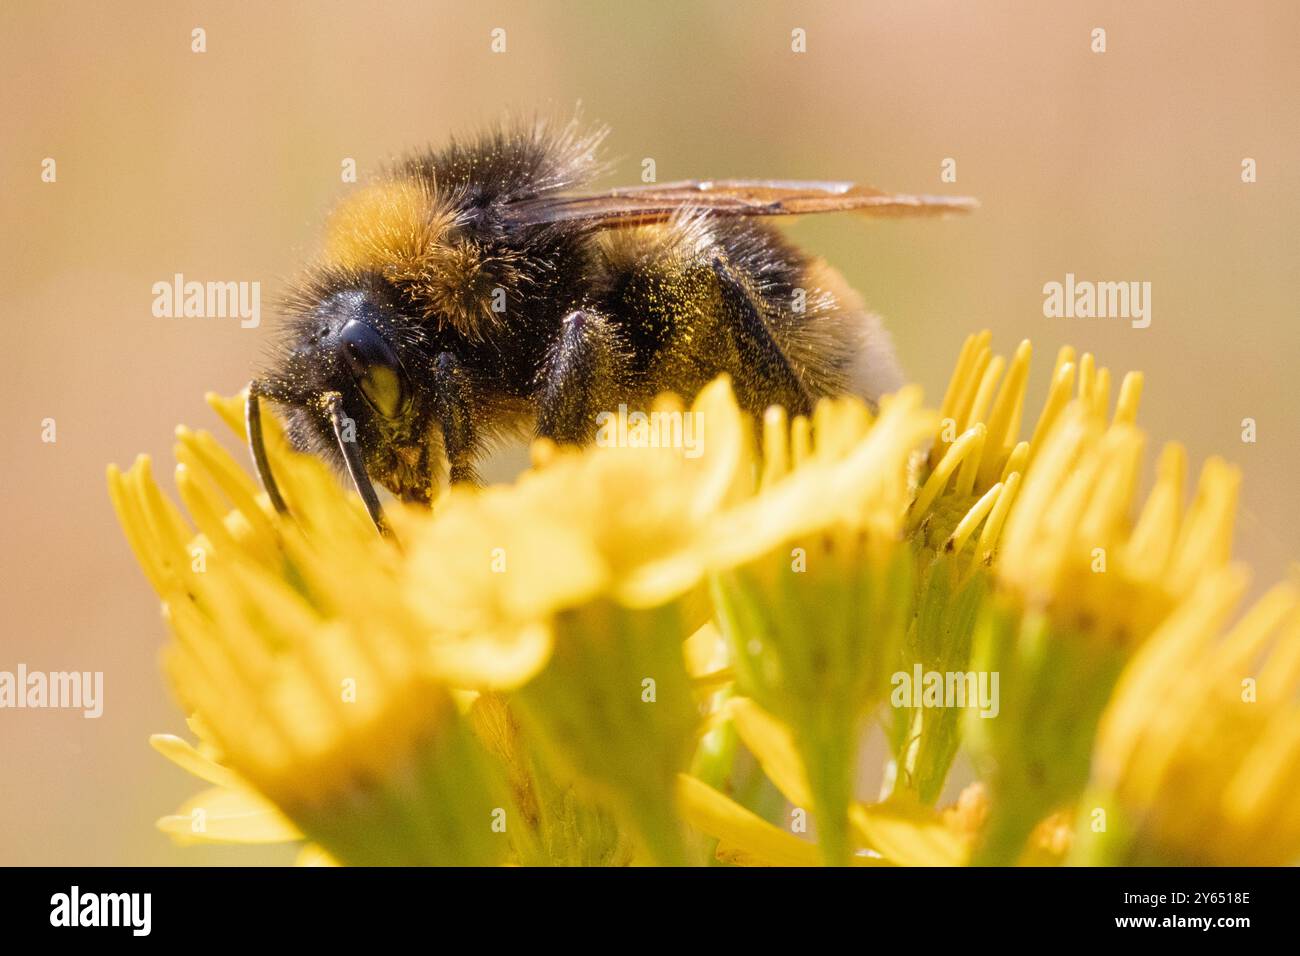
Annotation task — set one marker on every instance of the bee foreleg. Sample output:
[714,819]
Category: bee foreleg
[257,445]
[763,371]
[577,380]
[355,464]
[451,409]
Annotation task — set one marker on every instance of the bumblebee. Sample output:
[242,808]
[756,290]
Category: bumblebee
[473,294]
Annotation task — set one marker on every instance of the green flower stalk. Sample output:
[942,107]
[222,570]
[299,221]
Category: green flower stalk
[1078,590]
[813,593]
[970,479]
[615,709]
[1053,684]
[925,739]
[560,826]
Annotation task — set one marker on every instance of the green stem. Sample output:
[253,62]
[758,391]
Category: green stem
[831,769]
[1006,833]
[657,831]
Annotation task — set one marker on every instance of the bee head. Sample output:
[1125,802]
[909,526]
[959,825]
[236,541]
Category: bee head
[346,380]
[354,341]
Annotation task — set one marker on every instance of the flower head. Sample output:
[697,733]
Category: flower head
[1078,584]
[569,668]
[294,651]
[1198,755]
[812,584]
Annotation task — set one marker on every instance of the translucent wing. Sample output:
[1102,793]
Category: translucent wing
[641,205]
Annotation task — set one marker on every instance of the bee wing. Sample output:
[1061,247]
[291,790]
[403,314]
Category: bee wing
[641,205]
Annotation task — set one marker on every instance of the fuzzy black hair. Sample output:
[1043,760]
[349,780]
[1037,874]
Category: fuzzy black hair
[519,159]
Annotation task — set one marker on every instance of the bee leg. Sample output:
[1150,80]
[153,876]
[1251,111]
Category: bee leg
[764,375]
[451,409]
[354,463]
[257,446]
[577,378]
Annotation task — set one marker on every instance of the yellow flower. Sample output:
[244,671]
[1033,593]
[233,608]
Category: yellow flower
[1070,548]
[603,546]
[968,486]
[977,459]
[569,668]
[1078,585]
[621,522]
[812,584]
[1198,755]
[294,650]
[231,811]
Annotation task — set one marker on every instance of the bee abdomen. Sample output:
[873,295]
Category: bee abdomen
[696,297]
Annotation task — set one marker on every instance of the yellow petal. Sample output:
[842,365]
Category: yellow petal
[313,854]
[705,651]
[772,744]
[188,758]
[501,659]
[223,815]
[744,838]
[907,836]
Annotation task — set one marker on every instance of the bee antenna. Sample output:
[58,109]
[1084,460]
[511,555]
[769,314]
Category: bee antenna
[356,467]
[257,445]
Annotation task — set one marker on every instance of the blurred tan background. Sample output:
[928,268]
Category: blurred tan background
[1119,166]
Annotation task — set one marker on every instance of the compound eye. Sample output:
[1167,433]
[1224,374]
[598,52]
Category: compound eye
[376,368]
